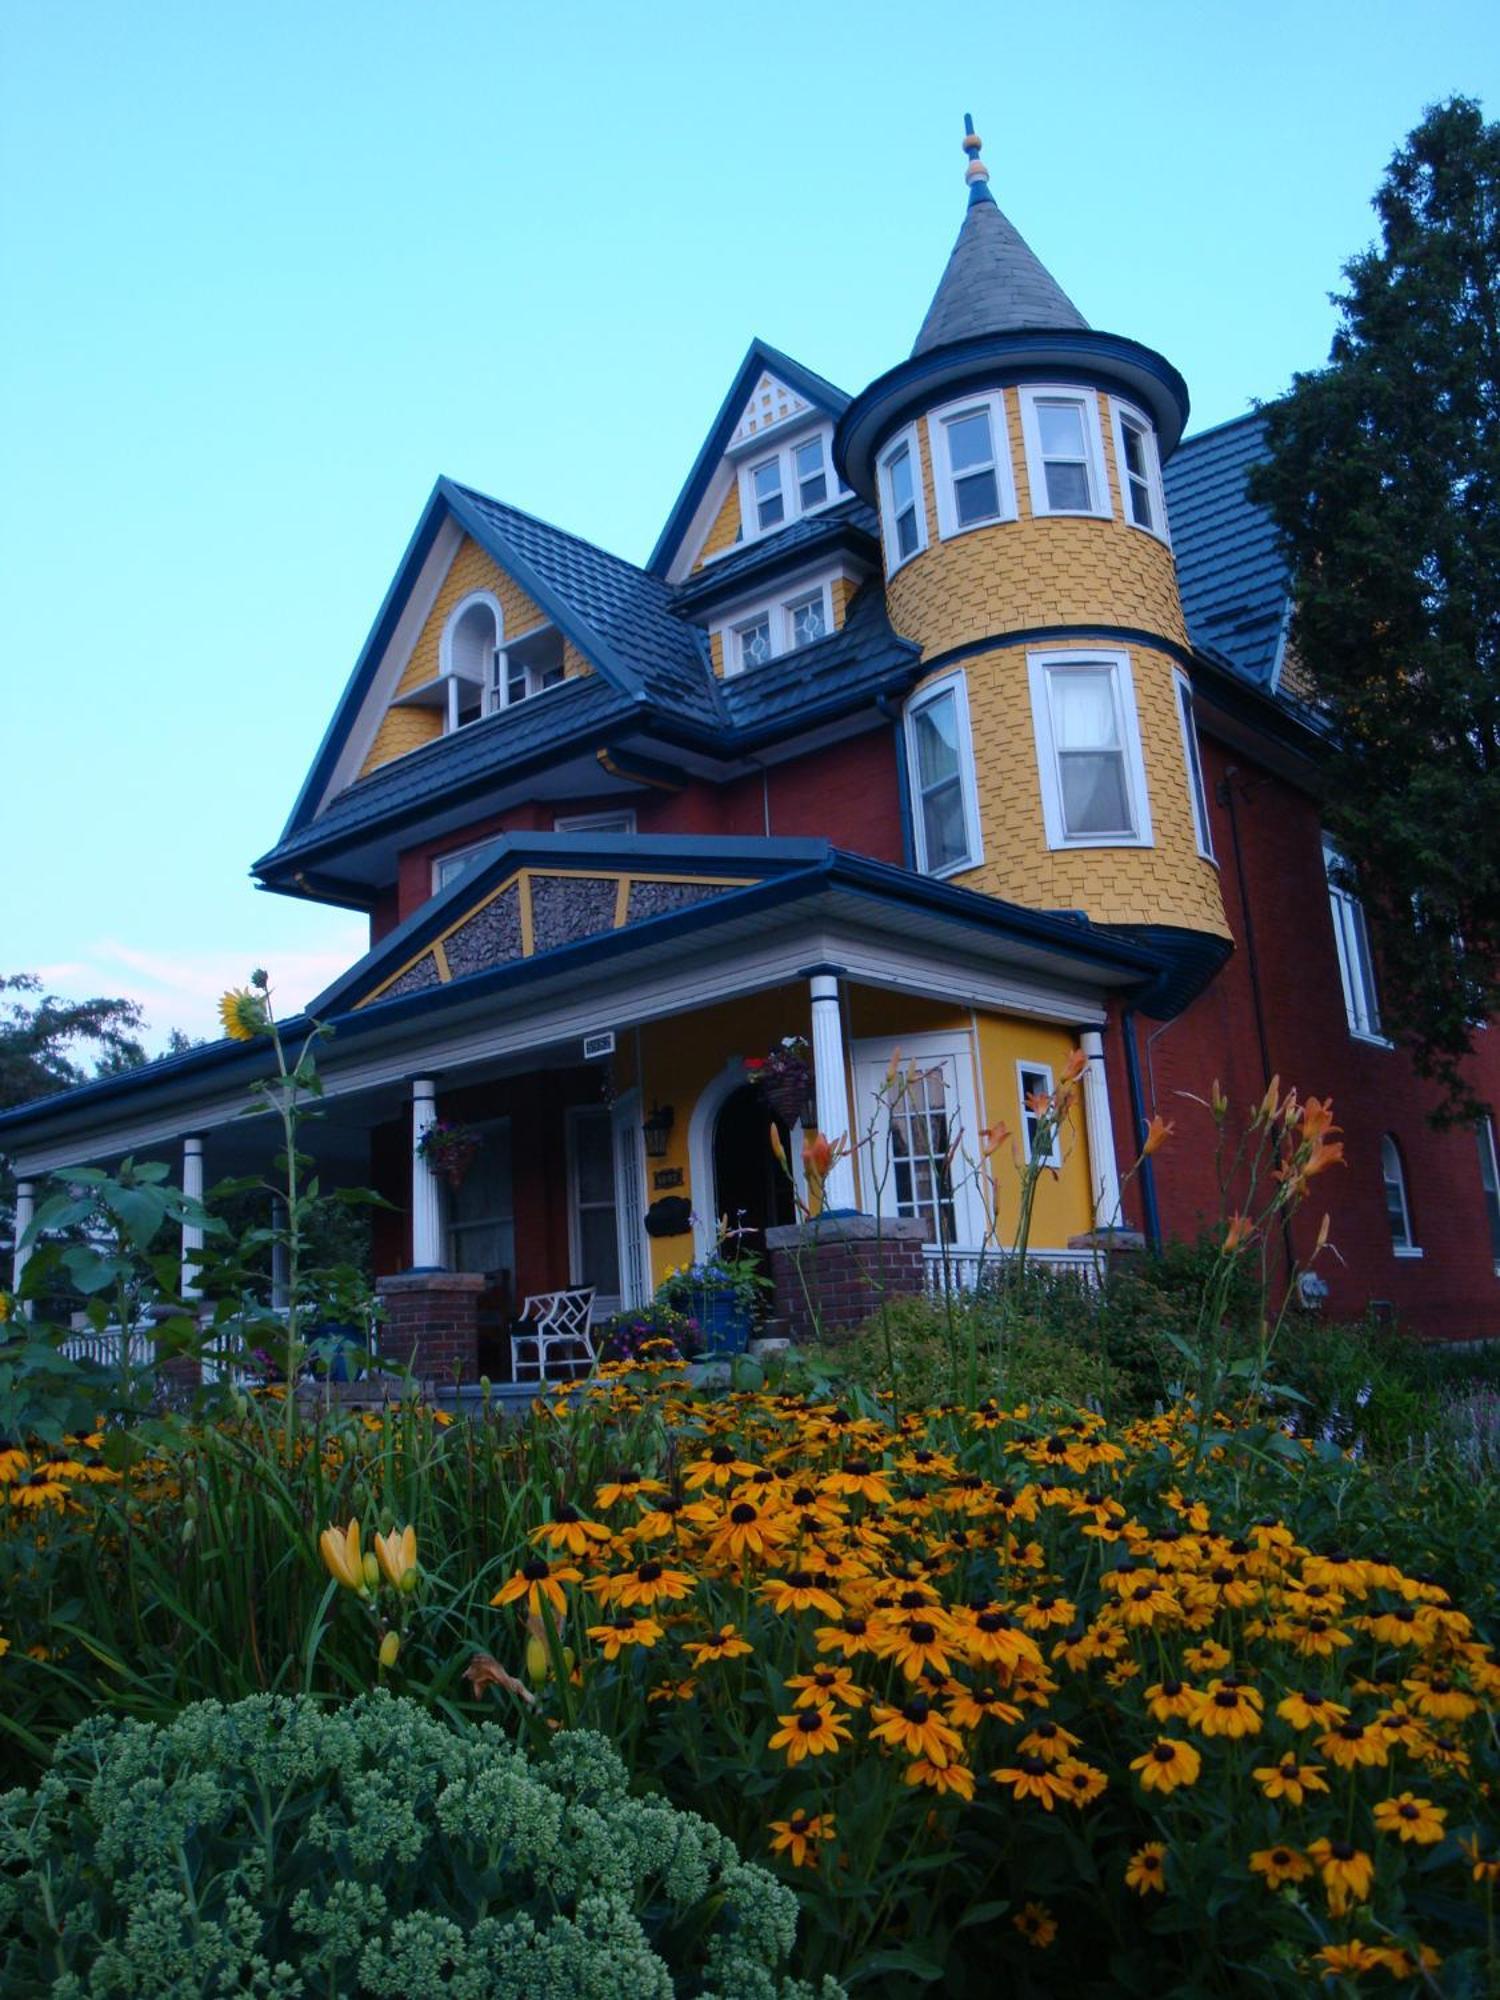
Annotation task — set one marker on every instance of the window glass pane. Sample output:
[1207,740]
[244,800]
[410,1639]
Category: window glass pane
[766,479]
[937,740]
[1083,708]
[1135,451]
[976,498]
[906,532]
[1140,504]
[899,470]
[593,1157]
[755,643]
[944,834]
[1094,798]
[1195,769]
[599,1250]
[969,441]
[812,479]
[1068,488]
[1395,1194]
[1060,428]
[481,1229]
[920,1136]
[807,620]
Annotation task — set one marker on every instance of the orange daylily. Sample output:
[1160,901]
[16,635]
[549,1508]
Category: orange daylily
[1157,1134]
[1241,1229]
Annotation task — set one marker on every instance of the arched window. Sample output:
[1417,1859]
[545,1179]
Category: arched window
[1397,1207]
[468,658]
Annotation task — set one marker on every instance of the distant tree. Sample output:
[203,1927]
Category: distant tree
[1384,481]
[44,1041]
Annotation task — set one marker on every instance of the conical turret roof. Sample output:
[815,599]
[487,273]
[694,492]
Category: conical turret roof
[994,281]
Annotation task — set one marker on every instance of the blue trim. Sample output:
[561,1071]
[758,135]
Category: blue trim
[1081,355]
[824,395]
[1036,635]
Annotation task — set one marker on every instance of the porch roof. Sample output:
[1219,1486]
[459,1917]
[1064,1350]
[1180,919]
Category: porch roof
[769,910]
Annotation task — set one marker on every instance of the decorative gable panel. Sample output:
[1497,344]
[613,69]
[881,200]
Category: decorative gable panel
[771,402]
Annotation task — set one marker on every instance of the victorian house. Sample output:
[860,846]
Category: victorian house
[952,724]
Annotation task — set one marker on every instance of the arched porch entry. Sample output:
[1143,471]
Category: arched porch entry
[734,1172]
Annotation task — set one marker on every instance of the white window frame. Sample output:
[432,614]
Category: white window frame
[599,822]
[605,1303]
[1489,1180]
[1351,943]
[460,854]
[1192,757]
[1040,667]
[870,1065]
[1390,1153]
[993,406]
[1121,414]
[908,438]
[777,613]
[955,684]
[784,452]
[490,697]
[1041,1072]
[1032,393]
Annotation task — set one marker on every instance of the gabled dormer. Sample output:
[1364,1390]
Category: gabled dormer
[766,465]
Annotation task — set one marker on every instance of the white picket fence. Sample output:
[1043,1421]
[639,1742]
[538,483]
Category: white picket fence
[104,1349]
[952,1268]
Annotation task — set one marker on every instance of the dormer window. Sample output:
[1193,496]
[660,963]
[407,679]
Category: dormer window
[781,485]
[798,618]
[1064,451]
[467,656]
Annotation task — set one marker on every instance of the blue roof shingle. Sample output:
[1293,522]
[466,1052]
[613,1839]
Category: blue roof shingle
[1229,569]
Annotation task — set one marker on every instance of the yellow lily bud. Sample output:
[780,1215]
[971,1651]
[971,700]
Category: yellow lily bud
[537,1664]
[340,1551]
[397,1553]
[370,1570]
[390,1646]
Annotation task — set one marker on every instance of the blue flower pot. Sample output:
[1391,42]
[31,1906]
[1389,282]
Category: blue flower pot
[724,1322]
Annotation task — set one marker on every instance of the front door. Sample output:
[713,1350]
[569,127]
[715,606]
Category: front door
[751,1188]
[921,1156]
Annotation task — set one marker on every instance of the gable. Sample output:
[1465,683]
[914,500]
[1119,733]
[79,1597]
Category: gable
[404,726]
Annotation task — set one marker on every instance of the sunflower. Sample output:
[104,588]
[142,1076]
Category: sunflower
[243,1014]
[1228,1708]
[624,1629]
[726,1644]
[1167,1764]
[941,1777]
[535,1580]
[1036,1924]
[809,1732]
[1347,1872]
[1289,1780]
[798,1836]
[1146,1873]
[1031,1778]
[1411,1818]
[916,1728]
[568,1531]
[1280,1864]
[825,1683]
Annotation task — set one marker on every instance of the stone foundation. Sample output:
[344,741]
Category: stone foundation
[833,1274]
[431,1322]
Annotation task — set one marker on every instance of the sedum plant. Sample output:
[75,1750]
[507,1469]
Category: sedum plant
[280,1848]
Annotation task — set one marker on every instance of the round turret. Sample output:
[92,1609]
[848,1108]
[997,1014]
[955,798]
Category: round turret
[1015,460]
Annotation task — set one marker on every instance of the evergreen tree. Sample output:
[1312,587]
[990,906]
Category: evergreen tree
[1384,481]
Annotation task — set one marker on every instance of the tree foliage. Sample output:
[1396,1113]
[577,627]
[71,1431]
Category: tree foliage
[42,1040]
[1384,481]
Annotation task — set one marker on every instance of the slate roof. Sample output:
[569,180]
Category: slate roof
[994,283]
[619,615]
[1232,577]
[863,657]
[829,524]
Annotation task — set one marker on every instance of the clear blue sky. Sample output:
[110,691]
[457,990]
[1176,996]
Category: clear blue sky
[271,268]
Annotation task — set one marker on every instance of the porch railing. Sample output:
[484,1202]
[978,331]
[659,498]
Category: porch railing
[103,1348]
[953,1268]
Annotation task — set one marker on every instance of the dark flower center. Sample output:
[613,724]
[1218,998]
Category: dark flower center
[809,1721]
[1033,1766]
[722,1454]
[912,1600]
[742,1513]
[1171,1689]
[1165,1753]
[1280,1857]
[917,1709]
[1226,1698]
[1341,1850]
[535,1570]
[648,1572]
[799,1579]
[804,1497]
[1408,1812]
[921,1633]
[1351,1731]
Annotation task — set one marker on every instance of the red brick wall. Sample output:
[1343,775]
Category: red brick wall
[1451,1291]
[835,1275]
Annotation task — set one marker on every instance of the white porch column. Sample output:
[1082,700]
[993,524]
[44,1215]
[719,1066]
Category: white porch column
[831,1083]
[426,1194]
[192,1235]
[25,1211]
[1099,1129]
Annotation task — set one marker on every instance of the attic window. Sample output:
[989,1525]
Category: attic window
[466,656]
[781,485]
[785,626]
[530,665]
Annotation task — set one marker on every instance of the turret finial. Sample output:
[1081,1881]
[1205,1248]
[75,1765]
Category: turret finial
[977,174]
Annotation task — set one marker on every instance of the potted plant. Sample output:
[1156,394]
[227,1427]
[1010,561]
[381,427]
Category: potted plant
[648,1333]
[722,1292]
[785,1077]
[449,1148]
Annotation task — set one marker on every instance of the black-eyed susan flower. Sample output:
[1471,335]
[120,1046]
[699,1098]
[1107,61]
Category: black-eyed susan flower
[538,1581]
[1346,1871]
[810,1732]
[1410,1818]
[1036,1924]
[1082,1783]
[624,1629]
[1404,1961]
[1280,1864]
[992,1637]
[725,1644]
[968,1707]
[851,1636]
[648,1583]
[858,1478]
[1349,1960]
[917,1640]
[720,1464]
[1351,1743]
[798,1836]
[1167,1764]
[800,1590]
[569,1532]
[1304,1709]
[1146,1872]
[1485,1867]
[918,1729]
[1440,1698]
[672,1515]
[1208,1658]
[827,1683]
[1049,1741]
[1032,1778]
[1171,1701]
[1228,1708]
[950,1777]
[1290,1780]
[747,1531]
[628,1486]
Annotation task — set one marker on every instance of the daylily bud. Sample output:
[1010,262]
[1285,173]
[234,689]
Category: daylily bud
[537,1664]
[340,1551]
[390,1646]
[370,1570]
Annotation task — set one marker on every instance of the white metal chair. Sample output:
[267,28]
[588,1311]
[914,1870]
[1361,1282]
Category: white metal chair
[554,1320]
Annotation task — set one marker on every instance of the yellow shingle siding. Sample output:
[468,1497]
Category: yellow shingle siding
[725,531]
[404,729]
[843,588]
[1166,883]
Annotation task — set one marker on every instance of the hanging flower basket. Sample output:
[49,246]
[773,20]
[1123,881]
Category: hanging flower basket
[785,1079]
[449,1149]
